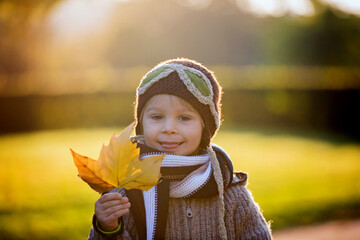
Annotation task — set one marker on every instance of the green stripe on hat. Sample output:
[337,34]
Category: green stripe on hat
[199,83]
[151,76]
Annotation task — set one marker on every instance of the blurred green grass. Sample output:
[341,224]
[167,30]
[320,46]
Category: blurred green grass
[296,179]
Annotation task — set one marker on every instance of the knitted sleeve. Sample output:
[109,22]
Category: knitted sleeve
[124,233]
[95,235]
[243,216]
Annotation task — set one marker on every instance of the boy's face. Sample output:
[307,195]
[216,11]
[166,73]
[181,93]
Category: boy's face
[171,125]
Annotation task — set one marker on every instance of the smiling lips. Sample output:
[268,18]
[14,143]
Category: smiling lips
[170,145]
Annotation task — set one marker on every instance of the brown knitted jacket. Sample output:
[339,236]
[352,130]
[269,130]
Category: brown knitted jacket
[243,219]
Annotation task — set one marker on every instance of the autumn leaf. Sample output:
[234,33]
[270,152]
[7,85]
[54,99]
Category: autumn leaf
[119,166]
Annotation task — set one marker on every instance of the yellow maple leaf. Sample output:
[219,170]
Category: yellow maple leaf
[119,166]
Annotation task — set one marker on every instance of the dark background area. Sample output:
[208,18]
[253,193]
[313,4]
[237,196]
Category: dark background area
[314,110]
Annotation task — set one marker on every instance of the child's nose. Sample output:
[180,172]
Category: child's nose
[170,126]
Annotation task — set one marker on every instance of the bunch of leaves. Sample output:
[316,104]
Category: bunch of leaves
[119,166]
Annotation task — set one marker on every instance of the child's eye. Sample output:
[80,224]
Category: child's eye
[185,118]
[156,117]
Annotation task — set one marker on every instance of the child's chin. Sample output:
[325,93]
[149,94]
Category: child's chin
[175,152]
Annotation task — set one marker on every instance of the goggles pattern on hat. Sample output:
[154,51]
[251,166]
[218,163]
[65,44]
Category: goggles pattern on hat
[194,80]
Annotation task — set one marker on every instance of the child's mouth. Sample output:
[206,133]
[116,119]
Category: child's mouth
[170,145]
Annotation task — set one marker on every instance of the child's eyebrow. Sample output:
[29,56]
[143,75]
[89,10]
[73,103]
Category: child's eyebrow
[184,109]
[153,108]
[188,110]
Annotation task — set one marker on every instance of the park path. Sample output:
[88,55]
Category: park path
[336,230]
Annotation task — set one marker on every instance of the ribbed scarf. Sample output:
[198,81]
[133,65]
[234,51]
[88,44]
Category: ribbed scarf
[182,177]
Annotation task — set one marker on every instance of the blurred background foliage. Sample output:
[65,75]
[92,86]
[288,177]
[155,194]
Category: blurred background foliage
[63,62]
[289,71]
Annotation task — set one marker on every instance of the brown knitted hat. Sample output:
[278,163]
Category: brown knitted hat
[188,80]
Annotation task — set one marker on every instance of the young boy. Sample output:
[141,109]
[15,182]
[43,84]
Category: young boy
[198,197]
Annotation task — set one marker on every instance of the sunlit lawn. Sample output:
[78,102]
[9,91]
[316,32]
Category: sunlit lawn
[295,179]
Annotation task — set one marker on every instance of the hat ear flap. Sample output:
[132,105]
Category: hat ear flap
[220,185]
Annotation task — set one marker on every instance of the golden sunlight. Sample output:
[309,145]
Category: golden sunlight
[349,6]
[77,17]
[276,8]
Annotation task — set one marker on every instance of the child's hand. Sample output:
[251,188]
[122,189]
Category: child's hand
[109,208]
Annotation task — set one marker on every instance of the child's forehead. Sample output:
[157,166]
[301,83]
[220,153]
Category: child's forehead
[163,100]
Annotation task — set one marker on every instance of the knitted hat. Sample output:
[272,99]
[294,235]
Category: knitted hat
[190,81]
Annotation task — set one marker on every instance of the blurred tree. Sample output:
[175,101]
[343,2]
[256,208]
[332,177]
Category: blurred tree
[213,32]
[21,31]
[333,39]
[329,38]
[217,32]
[155,30]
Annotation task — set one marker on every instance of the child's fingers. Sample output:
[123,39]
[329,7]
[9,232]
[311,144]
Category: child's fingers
[111,203]
[119,213]
[112,197]
[109,208]
[111,221]
[117,208]
[108,218]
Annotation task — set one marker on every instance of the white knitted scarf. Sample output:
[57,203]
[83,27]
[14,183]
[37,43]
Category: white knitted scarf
[178,189]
